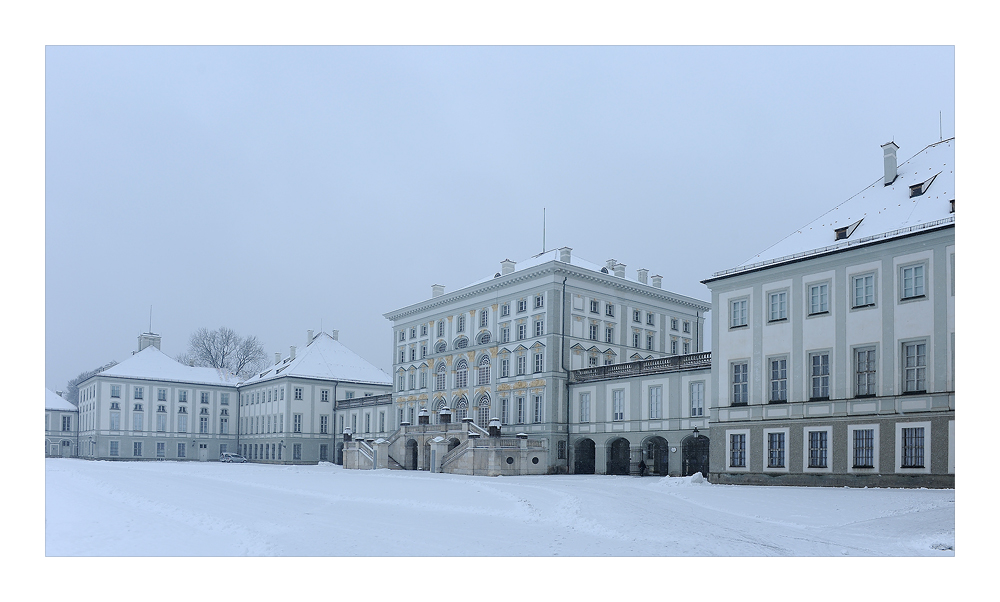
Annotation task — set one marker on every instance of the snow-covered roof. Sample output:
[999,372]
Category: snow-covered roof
[324,358]
[876,213]
[553,255]
[54,402]
[153,364]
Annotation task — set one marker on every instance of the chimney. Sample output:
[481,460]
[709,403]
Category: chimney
[643,275]
[437,290]
[309,337]
[291,352]
[564,254]
[889,159]
[277,358]
[336,335]
[148,339]
[610,264]
[657,281]
[619,270]
[507,266]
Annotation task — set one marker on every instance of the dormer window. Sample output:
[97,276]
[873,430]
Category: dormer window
[846,231]
[919,189]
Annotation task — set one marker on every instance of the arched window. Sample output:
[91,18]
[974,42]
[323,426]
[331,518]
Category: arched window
[462,343]
[461,374]
[439,377]
[441,347]
[484,411]
[461,410]
[440,405]
[484,338]
[484,371]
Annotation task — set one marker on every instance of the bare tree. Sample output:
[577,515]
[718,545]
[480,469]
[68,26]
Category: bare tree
[73,388]
[224,348]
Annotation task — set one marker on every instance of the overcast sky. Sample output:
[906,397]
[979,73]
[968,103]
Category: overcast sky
[278,189]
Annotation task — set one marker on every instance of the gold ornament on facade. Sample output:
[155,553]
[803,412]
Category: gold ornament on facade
[538,382]
[503,387]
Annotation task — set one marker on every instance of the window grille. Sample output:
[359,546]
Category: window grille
[864,448]
[738,450]
[817,449]
[913,447]
[776,450]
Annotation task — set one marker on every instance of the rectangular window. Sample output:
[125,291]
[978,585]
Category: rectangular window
[324,395]
[778,304]
[609,310]
[381,422]
[656,402]
[776,450]
[864,290]
[618,404]
[539,327]
[636,315]
[505,309]
[298,393]
[181,450]
[65,423]
[203,425]
[522,365]
[673,346]
[323,447]
[368,423]
[913,281]
[137,421]
[673,323]
[819,376]
[649,342]
[113,448]
[609,334]
[402,336]
[593,332]
[461,323]
[635,340]
[423,330]
[324,425]
[584,407]
[537,417]
[505,411]
[914,367]
[297,423]
[687,327]
[819,299]
[697,399]
[182,396]
[561,450]
[504,367]
[204,396]
[740,385]
[182,423]
[423,351]
[738,450]
[864,372]
[223,426]
[539,362]
[505,334]
[592,361]
[539,300]
[137,449]
[137,393]
[864,448]
[423,378]
[522,305]
[116,391]
[161,423]
[413,333]
[912,440]
[441,328]
[650,319]
[115,424]
[817,449]
[687,347]
[161,395]
[520,410]
[522,331]
[779,380]
[737,313]
[595,307]
[413,380]
[413,354]
[297,451]
[161,450]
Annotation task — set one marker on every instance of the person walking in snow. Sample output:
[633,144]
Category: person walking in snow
[642,468]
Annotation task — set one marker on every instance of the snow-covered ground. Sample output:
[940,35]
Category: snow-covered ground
[210,509]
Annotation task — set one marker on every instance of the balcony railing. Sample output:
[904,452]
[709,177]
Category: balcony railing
[364,402]
[690,361]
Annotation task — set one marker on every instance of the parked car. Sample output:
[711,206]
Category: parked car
[229,457]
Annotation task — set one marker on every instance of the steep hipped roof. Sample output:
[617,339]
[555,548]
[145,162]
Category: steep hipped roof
[877,213]
[324,358]
[153,364]
[54,402]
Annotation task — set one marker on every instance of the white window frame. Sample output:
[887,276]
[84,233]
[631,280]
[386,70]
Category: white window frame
[584,408]
[744,383]
[918,369]
[915,291]
[870,381]
[539,327]
[851,468]
[738,313]
[777,306]
[654,393]
[927,457]
[806,448]
[539,362]
[767,449]
[818,298]
[618,405]
[867,299]
[746,450]
[696,399]
[811,376]
[781,378]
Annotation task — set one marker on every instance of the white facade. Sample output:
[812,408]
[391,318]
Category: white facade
[61,426]
[834,349]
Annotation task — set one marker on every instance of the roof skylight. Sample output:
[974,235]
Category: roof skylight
[846,231]
[919,189]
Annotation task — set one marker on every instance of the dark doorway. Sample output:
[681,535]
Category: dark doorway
[453,443]
[585,457]
[340,454]
[695,455]
[410,461]
[654,453]
[618,457]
